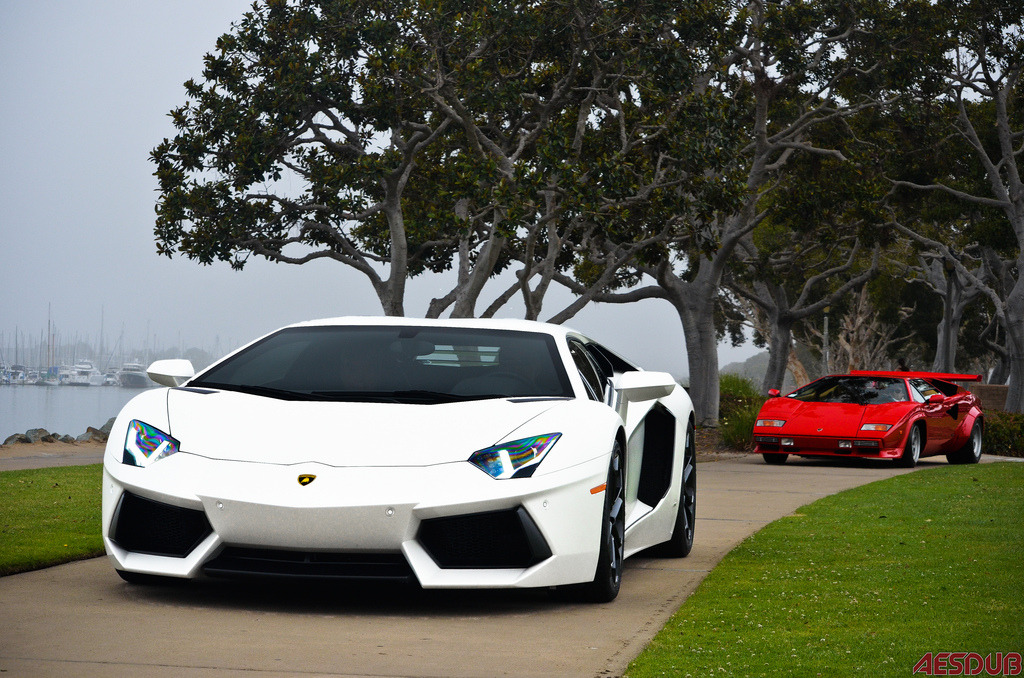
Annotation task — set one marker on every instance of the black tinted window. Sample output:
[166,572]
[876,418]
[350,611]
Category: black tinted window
[587,369]
[403,363]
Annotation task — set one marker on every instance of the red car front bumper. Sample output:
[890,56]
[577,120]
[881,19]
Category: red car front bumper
[874,448]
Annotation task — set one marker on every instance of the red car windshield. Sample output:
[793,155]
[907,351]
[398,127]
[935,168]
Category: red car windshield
[855,390]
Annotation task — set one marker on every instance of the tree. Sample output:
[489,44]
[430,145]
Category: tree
[819,286]
[816,244]
[431,135]
[980,81]
[786,69]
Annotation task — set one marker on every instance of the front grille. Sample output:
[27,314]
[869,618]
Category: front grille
[236,561]
[497,539]
[147,526]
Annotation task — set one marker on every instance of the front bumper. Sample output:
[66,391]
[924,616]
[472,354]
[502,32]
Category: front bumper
[872,448]
[360,522]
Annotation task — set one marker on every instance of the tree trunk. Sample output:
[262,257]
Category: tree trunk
[694,301]
[948,330]
[702,359]
[797,369]
[779,349]
[1015,342]
[945,345]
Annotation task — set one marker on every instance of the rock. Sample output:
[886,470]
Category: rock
[67,439]
[105,429]
[92,435]
[36,435]
[17,438]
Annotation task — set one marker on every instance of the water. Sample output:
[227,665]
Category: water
[59,409]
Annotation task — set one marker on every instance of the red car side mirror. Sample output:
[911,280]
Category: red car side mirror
[773,393]
[936,399]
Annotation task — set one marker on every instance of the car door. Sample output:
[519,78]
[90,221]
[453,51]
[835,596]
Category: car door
[940,417]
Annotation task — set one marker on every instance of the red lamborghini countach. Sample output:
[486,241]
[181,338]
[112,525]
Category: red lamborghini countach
[883,415]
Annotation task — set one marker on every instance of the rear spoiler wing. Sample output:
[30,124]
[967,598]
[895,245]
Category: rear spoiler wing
[917,375]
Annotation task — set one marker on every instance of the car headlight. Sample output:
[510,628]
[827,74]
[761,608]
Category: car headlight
[145,445]
[876,427]
[770,422]
[517,459]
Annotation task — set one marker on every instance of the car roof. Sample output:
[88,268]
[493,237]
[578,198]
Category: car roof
[478,323]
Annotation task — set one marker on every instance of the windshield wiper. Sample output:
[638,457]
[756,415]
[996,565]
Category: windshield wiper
[409,397]
[412,396]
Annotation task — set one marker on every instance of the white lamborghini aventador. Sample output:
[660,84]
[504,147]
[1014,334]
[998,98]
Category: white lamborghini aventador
[462,454]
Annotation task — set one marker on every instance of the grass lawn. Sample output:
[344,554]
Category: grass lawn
[864,582]
[49,516]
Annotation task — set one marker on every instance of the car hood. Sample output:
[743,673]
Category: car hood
[841,420]
[241,427]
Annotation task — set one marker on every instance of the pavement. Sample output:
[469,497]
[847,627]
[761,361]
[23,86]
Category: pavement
[41,455]
[81,619]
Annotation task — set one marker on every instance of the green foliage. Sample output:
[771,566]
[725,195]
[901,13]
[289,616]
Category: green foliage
[1004,434]
[739,403]
[49,516]
[862,582]
[736,429]
[737,394]
[415,133]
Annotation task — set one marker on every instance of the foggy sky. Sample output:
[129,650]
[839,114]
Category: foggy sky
[85,89]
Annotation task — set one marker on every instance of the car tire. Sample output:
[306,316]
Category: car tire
[970,453]
[681,543]
[608,577]
[912,449]
[775,459]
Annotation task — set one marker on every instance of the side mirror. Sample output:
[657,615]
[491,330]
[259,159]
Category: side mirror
[936,399]
[171,372]
[636,386]
[773,393]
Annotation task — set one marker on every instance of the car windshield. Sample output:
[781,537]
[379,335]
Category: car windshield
[856,390]
[394,364]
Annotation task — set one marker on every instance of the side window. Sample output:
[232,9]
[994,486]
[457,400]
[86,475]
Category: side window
[922,390]
[588,371]
[605,368]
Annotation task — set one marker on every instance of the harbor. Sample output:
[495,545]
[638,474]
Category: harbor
[81,373]
[51,381]
[65,399]
[65,410]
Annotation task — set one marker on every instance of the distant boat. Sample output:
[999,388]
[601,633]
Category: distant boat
[133,375]
[18,374]
[84,374]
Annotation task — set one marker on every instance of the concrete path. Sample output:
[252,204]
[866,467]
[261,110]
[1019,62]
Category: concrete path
[43,455]
[81,619]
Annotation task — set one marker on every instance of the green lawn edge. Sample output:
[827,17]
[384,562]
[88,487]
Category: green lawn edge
[865,582]
[49,516]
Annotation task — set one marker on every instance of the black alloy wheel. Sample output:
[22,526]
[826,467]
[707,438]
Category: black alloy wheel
[681,543]
[608,577]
